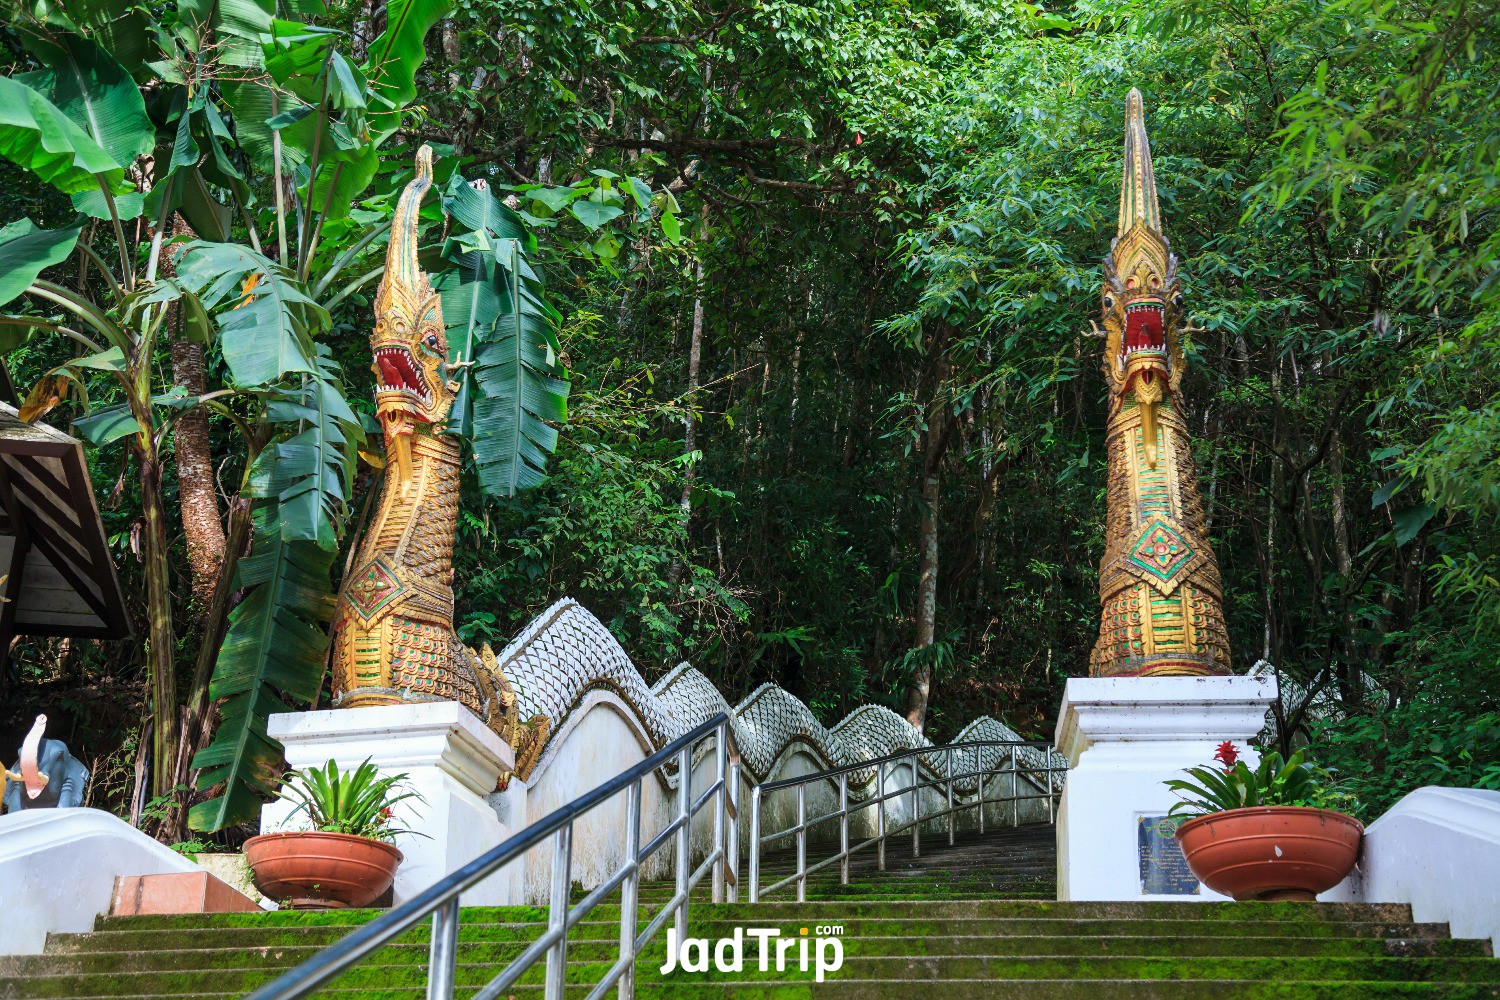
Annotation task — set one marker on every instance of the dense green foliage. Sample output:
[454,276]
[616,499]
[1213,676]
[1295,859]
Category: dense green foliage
[823,275]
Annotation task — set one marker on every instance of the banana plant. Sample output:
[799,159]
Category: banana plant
[264,135]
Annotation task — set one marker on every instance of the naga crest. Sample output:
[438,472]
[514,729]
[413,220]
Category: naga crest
[1142,297]
[409,342]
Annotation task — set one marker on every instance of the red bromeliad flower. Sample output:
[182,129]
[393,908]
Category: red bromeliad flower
[1227,755]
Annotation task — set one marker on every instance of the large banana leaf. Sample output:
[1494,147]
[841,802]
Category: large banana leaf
[26,251]
[394,57]
[272,660]
[266,317]
[88,85]
[498,318]
[38,136]
[518,389]
[310,472]
[120,26]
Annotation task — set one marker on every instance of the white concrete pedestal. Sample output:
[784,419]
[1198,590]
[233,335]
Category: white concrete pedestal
[1123,737]
[451,758]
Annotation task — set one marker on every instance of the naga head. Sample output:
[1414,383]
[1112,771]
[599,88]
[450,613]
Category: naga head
[1142,297]
[410,342]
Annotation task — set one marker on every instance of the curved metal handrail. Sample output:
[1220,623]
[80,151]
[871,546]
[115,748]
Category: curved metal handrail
[440,900]
[1047,788]
[890,758]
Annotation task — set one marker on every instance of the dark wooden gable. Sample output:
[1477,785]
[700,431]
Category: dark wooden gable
[60,578]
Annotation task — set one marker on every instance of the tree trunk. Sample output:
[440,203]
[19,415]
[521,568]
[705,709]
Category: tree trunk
[689,423]
[927,568]
[196,713]
[160,641]
[1344,557]
[201,525]
[695,363]
[938,427]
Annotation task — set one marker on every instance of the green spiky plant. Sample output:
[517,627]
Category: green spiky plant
[358,802]
[1275,781]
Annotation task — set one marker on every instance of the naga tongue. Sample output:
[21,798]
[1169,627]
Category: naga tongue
[398,428]
[1148,393]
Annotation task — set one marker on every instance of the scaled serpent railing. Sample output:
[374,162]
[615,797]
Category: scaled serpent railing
[981,775]
[440,901]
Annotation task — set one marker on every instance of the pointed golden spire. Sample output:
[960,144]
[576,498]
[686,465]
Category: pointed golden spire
[1138,185]
[401,253]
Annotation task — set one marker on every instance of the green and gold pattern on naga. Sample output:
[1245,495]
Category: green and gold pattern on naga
[1159,587]
[393,628]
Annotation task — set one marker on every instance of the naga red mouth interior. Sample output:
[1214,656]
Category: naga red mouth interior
[1143,330]
[398,373]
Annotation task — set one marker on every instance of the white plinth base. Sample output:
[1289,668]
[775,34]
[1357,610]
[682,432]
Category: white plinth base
[1123,737]
[451,758]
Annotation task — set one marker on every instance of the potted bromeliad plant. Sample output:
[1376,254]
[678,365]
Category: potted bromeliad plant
[347,859]
[1268,833]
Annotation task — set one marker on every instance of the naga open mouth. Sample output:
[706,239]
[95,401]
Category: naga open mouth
[399,374]
[1144,332]
[1143,357]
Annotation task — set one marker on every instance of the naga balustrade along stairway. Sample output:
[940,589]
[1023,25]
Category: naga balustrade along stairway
[976,919]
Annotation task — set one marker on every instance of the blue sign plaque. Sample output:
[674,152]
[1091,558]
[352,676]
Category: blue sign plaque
[1164,871]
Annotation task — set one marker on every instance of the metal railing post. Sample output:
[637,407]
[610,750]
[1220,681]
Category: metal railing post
[880,812]
[916,812]
[442,953]
[684,837]
[557,912]
[950,796]
[755,844]
[721,766]
[733,839]
[802,843]
[844,828]
[1051,769]
[984,775]
[1015,792]
[630,889]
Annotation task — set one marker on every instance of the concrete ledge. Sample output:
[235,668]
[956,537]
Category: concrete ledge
[181,892]
[58,869]
[1158,709]
[439,734]
[1438,849]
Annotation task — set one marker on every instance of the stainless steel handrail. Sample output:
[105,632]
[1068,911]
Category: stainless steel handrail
[1050,791]
[440,900]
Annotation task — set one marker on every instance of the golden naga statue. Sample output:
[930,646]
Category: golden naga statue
[393,638]
[1158,583]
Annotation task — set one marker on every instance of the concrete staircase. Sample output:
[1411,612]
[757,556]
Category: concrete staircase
[974,920]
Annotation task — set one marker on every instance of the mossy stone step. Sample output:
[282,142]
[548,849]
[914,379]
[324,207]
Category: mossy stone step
[905,969]
[1272,935]
[976,921]
[600,948]
[960,990]
[849,909]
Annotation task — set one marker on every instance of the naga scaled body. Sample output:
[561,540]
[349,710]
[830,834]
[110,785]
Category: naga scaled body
[393,627]
[1162,600]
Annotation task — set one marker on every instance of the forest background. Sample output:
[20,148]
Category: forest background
[824,274]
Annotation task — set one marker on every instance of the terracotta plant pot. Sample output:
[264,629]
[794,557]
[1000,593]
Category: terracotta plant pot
[1271,852]
[315,870]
